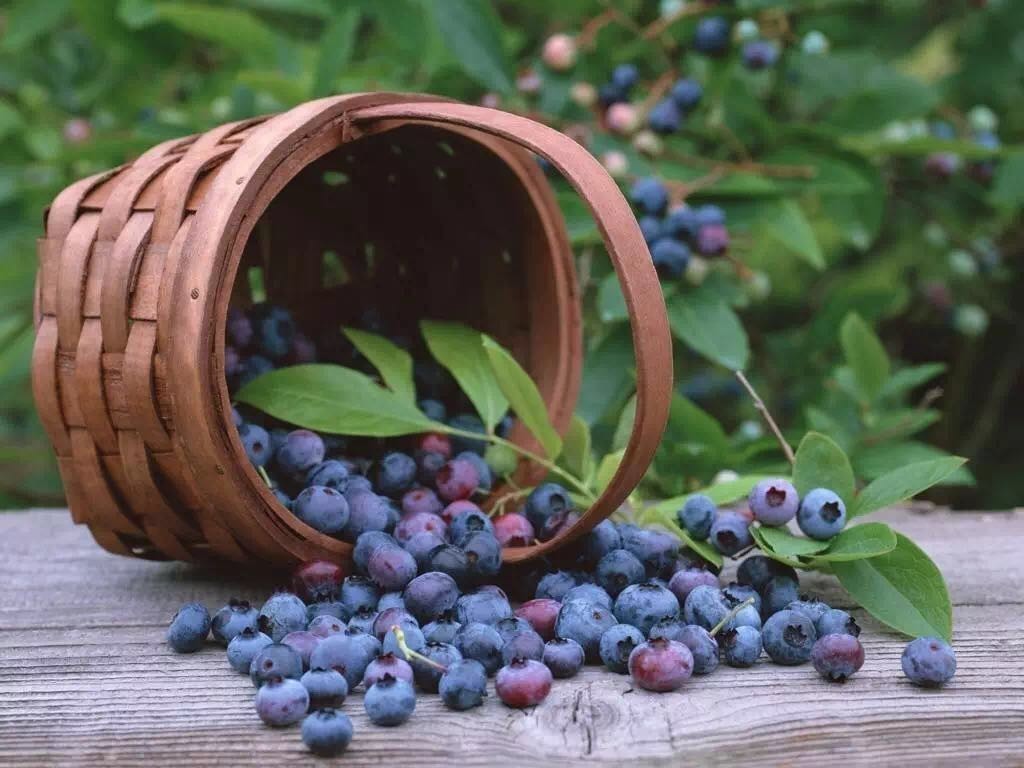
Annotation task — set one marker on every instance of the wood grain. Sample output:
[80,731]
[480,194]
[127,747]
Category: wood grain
[85,678]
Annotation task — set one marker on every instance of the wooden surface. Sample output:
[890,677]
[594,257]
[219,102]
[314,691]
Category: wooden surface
[85,678]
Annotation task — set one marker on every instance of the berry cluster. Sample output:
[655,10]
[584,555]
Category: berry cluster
[433,619]
[982,124]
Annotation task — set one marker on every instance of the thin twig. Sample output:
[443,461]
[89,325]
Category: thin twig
[760,406]
[656,28]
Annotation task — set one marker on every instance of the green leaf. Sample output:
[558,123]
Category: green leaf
[788,225]
[757,532]
[606,470]
[875,460]
[28,19]
[392,362]
[333,399]
[906,379]
[10,120]
[472,31]
[611,304]
[523,396]
[821,463]
[899,423]
[782,542]
[607,375]
[336,45]
[703,321]
[460,349]
[859,542]
[903,483]
[624,428]
[865,356]
[1008,186]
[232,28]
[902,588]
[576,456]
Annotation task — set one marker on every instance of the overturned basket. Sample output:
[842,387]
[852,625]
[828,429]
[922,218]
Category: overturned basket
[138,266]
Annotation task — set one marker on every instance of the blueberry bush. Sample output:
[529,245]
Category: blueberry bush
[831,191]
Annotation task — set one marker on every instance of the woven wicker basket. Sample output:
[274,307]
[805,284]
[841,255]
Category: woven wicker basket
[138,266]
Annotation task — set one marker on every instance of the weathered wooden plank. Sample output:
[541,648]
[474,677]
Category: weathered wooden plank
[85,678]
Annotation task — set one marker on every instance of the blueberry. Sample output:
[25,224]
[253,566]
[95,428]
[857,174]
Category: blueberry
[396,472]
[388,618]
[712,240]
[513,530]
[356,485]
[822,514]
[366,512]
[788,637]
[756,571]
[254,367]
[365,546]
[303,643]
[281,614]
[282,702]
[660,665]
[685,581]
[524,644]
[774,501]
[592,593]
[363,620]
[430,595]
[686,93]
[928,662]
[392,568]
[468,519]
[711,36]
[735,594]
[665,117]
[650,228]
[238,329]
[680,223]
[697,516]
[327,688]
[330,474]
[616,644]
[619,569]
[389,702]
[451,560]
[274,329]
[760,54]
[348,653]
[442,630]
[642,605]
[421,545]
[273,661]
[232,619]
[325,625]
[657,550]
[482,643]
[563,656]
[316,580]
[705,606]
[485,477]
[483,553]
[811,607]
[256,442]
[419,501]
[837,657]
[730,533]
[244,647]
[547,507]
[585,623]
[391,600]
[482,606]
[464,685]
[836,622]
[359,593]
[668,629]
[741,646]
[541,614]
[467,422]
[523,683]
[457,479]
[779,592]
[624,76]
[301,451]
[322,508]
[602,539]
[554,585]
[670,258]
[703,646]
[387,664]
[412,523]
[434,410]
[327,732]
[649,195]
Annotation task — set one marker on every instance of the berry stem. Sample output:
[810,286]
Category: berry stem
[730,616]
[763,410]
[409,653]
[266,477]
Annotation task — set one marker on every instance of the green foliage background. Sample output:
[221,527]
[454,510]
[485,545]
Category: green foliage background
[868,233]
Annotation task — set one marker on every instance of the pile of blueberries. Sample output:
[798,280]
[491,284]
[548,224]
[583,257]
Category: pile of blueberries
[627,597]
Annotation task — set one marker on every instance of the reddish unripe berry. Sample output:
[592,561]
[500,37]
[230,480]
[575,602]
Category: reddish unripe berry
[513,530]
[456,480]
[660,665]
[452,511]
[433,442]
[542,614]
[317,580]
[418,522]
[837,657]
[386,664]
[559,52]
[303,643]
[621,118]
[523,683]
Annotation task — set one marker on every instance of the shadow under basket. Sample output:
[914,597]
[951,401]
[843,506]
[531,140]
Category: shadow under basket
[402,205]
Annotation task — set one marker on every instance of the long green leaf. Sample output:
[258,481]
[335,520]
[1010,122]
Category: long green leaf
[233,28]
[523,396]
[576,456]
[902,588]
[336,45]
[392,362]
[859,542]
[472,32]
[865,355]
[903,483]
[757,532]
[787,223]
[28,19]
[821,463]
[460,349]
[782,542]
[606,470]
[333,399]
[703,321]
